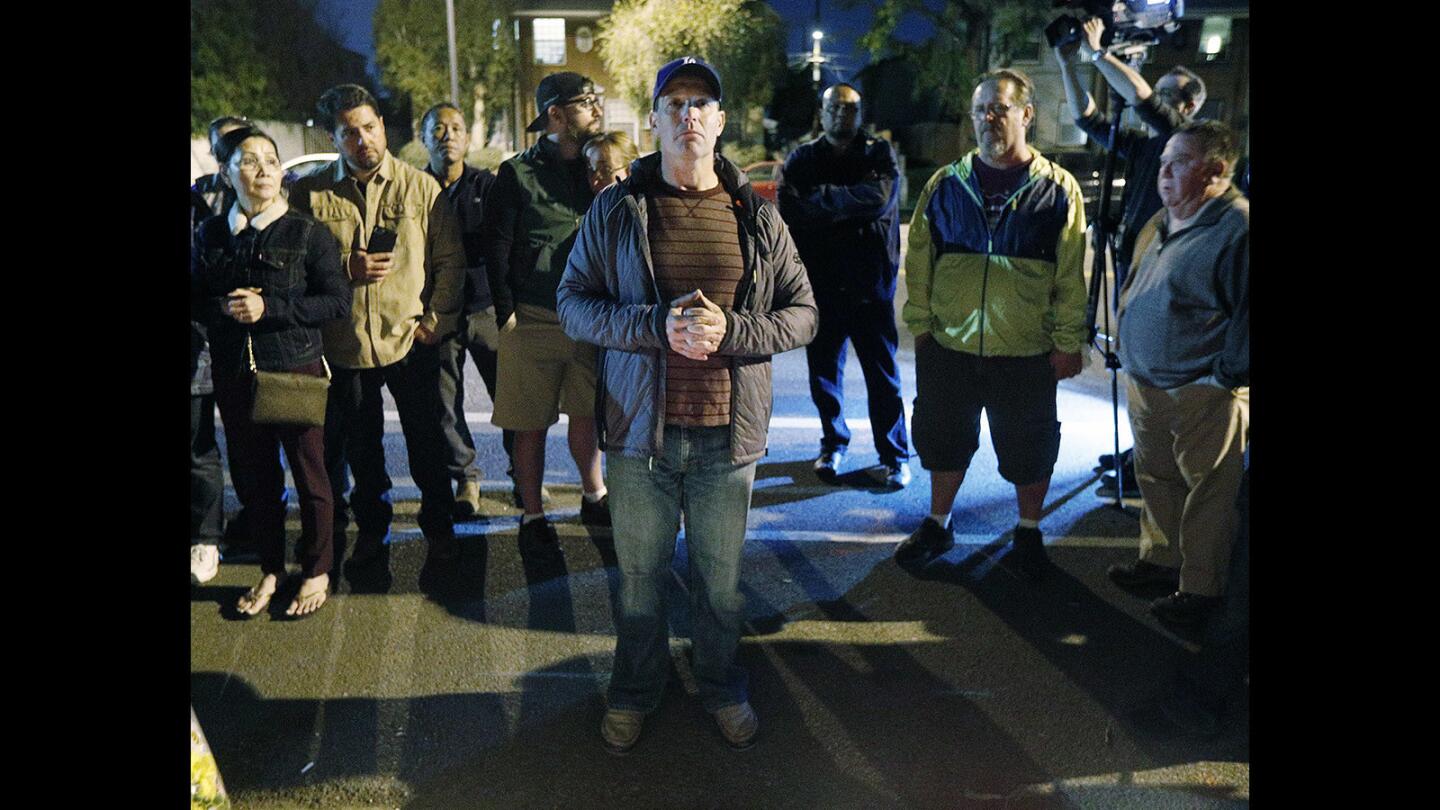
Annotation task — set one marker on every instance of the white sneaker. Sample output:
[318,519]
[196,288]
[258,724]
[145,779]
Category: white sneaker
[204,563]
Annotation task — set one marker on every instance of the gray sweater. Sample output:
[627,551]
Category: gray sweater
[1185,308]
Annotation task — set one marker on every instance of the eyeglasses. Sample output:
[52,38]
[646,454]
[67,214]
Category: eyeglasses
[593,102]
[997,109]
[251,164]
[843,106]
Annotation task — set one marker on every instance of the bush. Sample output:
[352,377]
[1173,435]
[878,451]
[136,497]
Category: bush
[415,154]
[745,154]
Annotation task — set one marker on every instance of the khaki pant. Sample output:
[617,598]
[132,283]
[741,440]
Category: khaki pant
[542,373]
[1189,456]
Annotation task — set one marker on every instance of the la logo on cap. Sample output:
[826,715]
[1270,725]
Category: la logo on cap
[689,60]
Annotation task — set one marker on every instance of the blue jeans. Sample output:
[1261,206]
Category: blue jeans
[693,475]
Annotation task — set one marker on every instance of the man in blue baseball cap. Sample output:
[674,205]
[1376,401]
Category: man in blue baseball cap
[686,313]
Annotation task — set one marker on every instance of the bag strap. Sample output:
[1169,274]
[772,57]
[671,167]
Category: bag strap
[250,356]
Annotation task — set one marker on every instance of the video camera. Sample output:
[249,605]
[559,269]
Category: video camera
[1130,25]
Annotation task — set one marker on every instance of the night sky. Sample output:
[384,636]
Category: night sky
[351,22]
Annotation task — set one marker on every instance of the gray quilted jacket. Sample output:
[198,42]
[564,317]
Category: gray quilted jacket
[608,297]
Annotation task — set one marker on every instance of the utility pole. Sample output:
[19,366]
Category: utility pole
[454,62]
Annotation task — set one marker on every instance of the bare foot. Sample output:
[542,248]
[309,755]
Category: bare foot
[312,595]
[257,598]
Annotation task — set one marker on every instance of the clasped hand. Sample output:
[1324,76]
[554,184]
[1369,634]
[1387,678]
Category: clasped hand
[695,326]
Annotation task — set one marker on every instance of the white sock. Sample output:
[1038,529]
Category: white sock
[1022,523]
[529,518]
[943,520]
[594,497]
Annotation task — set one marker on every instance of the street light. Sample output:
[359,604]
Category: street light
[816,59]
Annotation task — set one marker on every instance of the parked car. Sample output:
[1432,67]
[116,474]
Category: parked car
[296,168]
[763,178]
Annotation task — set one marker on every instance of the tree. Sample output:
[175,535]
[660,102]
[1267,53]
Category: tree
[265,59]
[414,58]
[227,74]
[970,36]
[743,39]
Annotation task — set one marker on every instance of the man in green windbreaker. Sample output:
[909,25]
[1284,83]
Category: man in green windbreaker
[997,294]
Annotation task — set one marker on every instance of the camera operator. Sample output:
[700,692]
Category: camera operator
[1173,101]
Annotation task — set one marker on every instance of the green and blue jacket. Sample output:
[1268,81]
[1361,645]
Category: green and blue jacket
[1018,290]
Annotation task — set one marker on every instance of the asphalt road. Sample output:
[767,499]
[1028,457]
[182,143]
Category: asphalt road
[482,686]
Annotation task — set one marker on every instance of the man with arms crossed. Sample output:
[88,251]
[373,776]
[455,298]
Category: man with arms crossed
[840,197]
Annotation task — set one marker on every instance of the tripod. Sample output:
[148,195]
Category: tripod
[1104,233]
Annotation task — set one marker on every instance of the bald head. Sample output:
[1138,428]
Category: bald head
[840,113]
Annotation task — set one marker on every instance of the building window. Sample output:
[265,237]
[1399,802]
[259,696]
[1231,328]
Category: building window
[1215,39]
[549,35]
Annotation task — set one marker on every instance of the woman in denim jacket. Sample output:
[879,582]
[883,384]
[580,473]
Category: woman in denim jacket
[263,278]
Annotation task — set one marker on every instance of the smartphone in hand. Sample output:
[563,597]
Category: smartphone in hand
[382,240]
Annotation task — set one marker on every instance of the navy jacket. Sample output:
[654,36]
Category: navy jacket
[467,199]
[843,210]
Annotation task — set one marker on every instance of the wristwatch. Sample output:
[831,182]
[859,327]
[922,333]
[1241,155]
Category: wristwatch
[1096,56]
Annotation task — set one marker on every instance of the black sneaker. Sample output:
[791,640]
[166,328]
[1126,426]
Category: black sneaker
[894,474]
[926,545]
[827,466]
[1030,556]
[1186,609]
[1140,573]
[1107,461]
[1107,485]
[539,536]
[597,513]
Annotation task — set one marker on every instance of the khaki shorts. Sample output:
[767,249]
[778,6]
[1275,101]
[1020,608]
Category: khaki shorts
[542,373]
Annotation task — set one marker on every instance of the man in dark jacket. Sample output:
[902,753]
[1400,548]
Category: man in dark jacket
[840,197]
[684,409]
[446,138]
[530,224]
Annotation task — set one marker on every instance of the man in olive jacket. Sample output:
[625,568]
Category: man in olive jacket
[405,300]
[684,396]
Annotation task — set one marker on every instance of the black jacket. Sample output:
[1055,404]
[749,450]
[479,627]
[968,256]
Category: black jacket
[843,210]
[296,264]
[467,198]
[1141,152]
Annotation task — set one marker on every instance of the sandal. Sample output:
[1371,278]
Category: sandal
[254,601]
[312,596]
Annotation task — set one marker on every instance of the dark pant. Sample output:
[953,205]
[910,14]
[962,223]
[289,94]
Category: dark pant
[452,391]
[260,480]
[355,433]
[1017,395]
[207,478]
[871,325]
